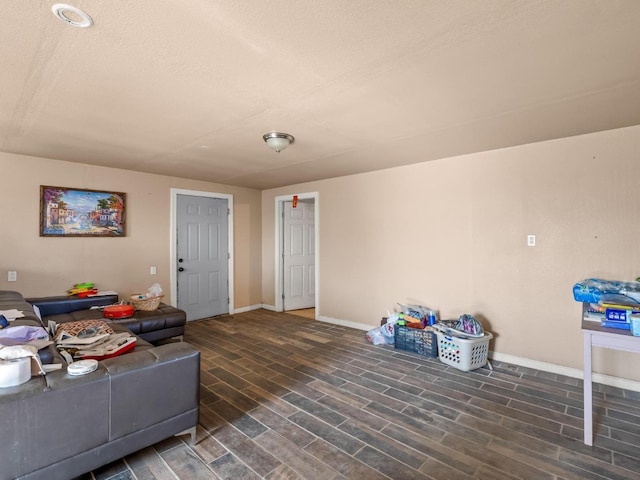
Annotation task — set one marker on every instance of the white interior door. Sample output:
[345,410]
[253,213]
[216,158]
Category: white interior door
[202,253]
[299,258]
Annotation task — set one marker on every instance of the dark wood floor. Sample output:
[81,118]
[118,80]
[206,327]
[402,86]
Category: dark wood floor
[285,397]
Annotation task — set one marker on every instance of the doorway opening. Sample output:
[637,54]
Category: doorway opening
[297,253]
[210,286]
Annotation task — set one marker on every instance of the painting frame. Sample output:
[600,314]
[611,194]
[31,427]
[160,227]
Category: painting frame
[82,212]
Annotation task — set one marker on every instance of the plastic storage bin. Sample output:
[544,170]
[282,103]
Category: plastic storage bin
[464,354]
[415,340]
[634,319]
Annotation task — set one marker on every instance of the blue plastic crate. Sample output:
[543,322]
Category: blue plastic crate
[422,342]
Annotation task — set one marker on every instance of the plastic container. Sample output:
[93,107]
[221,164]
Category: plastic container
[422,342]
[618,314]
[464,354]
[117,311]
[634,319]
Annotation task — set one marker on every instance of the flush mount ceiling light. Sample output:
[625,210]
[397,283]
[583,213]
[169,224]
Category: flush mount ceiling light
[72,15]
[277,141]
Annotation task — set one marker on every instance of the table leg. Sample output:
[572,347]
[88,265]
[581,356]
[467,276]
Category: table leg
[588,392]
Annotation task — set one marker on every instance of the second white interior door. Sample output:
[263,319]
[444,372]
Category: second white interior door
[299,255]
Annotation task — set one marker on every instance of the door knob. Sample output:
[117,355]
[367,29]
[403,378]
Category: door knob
[181,269]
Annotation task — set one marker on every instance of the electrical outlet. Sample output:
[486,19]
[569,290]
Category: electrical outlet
[153,271]
[531,240]
[12,276]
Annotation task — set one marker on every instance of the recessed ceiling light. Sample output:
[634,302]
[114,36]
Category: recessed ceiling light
[72,15]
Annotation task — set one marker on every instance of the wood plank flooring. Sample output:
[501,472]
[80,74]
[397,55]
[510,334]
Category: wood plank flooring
[285,397]
[305,312]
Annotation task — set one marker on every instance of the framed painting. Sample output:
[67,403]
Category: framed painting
[76,212]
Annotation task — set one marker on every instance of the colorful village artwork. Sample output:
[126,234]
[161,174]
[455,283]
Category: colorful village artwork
[71,212]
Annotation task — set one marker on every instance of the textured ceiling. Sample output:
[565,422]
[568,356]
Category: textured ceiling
[187,87]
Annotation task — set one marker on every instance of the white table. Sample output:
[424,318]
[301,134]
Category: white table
[597,336]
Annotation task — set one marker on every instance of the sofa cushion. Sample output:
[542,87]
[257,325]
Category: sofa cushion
[67,414]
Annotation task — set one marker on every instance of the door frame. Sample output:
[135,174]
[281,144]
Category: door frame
[279,261]
[173,237]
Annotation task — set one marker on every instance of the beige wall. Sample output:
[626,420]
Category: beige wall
[49,266]
[451,234]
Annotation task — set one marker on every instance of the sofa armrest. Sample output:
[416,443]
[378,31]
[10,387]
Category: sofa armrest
[152,386]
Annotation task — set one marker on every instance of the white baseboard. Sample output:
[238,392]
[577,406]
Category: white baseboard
[249,308]
[567,371]
[345,323]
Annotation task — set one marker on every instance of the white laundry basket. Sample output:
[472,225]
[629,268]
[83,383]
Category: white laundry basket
[464,354]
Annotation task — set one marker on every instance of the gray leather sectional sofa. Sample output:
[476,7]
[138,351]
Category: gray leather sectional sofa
[160,324]
[60,426]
